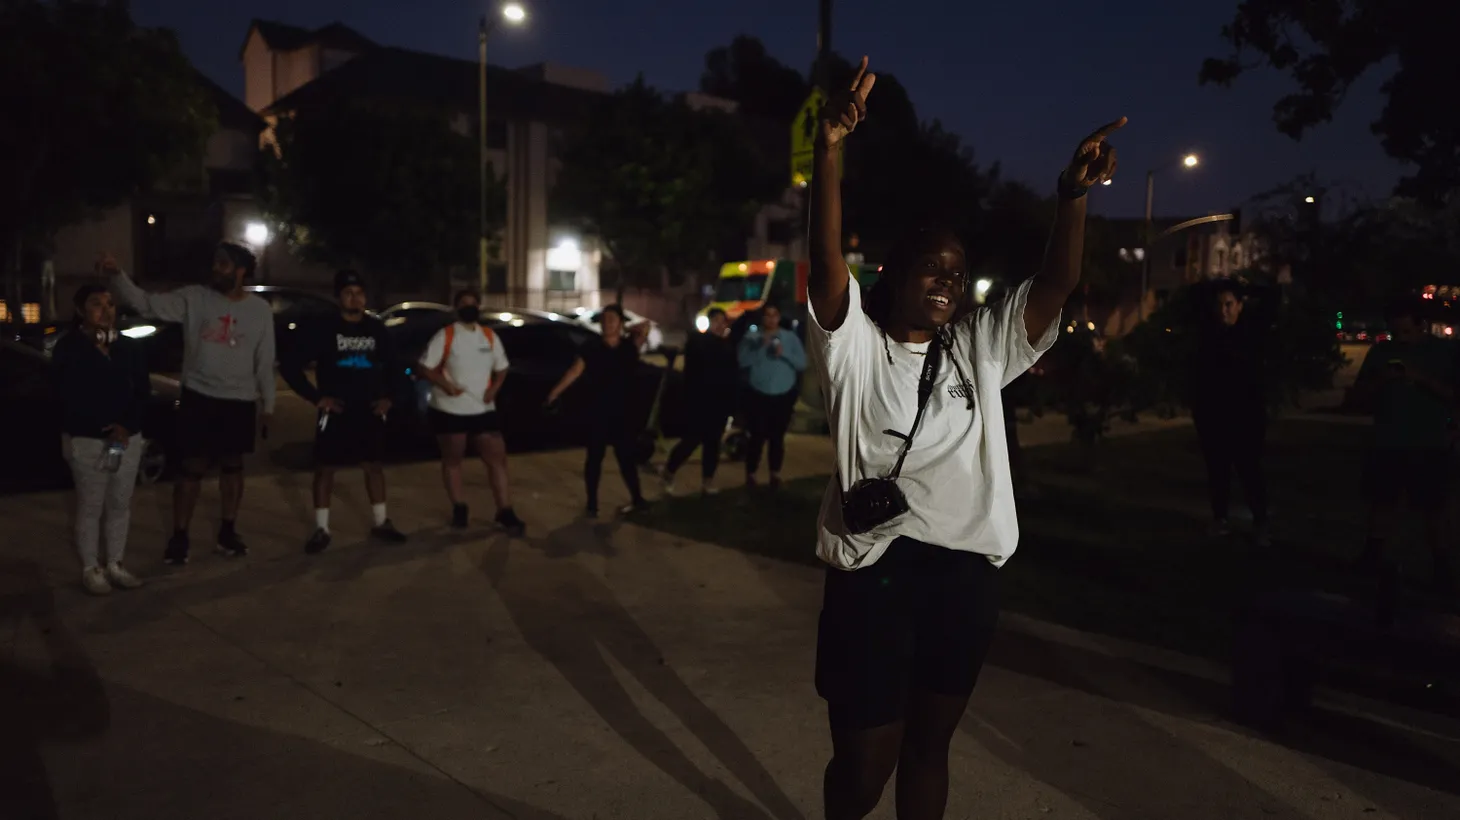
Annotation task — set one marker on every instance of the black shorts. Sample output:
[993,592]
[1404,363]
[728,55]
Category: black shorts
[1419,476]
[349,438]
[450,424]
[214,428]
[921,618]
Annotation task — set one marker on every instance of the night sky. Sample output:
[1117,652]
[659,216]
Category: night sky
[1021,82]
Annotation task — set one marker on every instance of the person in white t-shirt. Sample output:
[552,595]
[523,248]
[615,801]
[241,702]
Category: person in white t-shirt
[913,553]
[467,364]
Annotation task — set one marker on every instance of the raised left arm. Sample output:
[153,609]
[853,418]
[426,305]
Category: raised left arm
[1094,163]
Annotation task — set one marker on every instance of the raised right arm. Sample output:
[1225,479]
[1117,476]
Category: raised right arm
[829,280]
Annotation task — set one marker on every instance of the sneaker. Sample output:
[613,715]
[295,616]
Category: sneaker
[119,577]
[709,488]
[666,481]
[230,545]
[459,516]
[637,506]
[318,542]
[590,513]
[1221,528]
[95,582]
[387,533]
[176,553]
[507,519]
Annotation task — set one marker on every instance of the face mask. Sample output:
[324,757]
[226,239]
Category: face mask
[469,314]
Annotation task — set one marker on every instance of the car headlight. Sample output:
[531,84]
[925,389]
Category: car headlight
[702,323]
[140,331]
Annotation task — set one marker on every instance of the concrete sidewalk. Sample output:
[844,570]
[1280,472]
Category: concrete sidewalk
[592,670]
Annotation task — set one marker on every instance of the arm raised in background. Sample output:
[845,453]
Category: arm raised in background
[1094,163]
[829,279]
[165,307]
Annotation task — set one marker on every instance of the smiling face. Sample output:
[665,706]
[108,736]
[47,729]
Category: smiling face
[929,290]
[1229,308]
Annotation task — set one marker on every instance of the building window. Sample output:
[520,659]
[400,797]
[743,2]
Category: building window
[563,281]
[1219,263]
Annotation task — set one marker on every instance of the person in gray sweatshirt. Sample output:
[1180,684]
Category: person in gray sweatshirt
[227,381]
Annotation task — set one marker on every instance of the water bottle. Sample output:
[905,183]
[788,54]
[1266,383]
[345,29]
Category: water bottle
[111,457]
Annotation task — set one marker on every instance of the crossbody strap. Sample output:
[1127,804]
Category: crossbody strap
[931,362]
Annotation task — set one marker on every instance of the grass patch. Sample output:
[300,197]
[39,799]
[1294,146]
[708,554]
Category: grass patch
[1121,549]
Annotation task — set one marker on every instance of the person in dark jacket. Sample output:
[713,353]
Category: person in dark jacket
[606,369]
[711,374]
[104,388]
[354,378]
[1229,408]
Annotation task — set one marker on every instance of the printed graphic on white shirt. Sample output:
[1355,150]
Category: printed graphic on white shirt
[476,354]
[956,476]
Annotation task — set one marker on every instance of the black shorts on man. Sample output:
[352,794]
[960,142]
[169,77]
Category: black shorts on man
[451,424]
[212,428]
[349,438]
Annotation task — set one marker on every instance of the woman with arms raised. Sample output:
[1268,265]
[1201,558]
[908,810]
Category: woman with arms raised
[919,514]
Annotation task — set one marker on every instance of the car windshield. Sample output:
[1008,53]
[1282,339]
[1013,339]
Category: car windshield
[741,288]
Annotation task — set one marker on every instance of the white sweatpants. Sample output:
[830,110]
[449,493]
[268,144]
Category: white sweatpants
[103,500]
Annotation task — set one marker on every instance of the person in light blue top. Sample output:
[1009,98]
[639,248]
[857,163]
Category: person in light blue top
[774,358]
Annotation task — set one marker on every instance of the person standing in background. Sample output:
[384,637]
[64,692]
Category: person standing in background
[774,358]
[352,356]
[104,388]
[1408,384]
[467,364]
[1229,409]
[607,369]
[711,376]
[227,381]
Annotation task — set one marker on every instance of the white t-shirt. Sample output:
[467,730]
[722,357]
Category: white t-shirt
[476,353]
[956,476]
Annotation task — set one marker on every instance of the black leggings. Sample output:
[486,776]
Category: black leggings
[707,428]
[623,443]
[766,420]
[1233,443]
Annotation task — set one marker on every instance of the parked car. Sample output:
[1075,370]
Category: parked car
[540,349]
[406,311]
[30,410]
[593,320]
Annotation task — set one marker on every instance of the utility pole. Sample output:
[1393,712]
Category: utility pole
[482,148]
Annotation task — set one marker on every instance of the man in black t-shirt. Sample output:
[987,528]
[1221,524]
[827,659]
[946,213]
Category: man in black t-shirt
[354,376]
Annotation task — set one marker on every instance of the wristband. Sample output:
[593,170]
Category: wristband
[1068,191]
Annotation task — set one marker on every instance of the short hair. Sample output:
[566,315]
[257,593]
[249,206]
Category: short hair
[1227,285]
[714,313]
[240,256]
[462,294]
[78,300]
[615,309]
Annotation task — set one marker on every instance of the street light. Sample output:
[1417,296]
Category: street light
[1189,161]
[513,14]
[1308,199]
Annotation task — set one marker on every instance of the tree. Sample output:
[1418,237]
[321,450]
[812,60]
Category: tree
[660,184]
[762,85]
[1327,46]
[389,189]
[96,109]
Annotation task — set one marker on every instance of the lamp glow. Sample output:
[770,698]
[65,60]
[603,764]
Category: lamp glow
[256,234]
[1190,160]
[514,13]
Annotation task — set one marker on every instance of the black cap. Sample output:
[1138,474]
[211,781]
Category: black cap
[346,278]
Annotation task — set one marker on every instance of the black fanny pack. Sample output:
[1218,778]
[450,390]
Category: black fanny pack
[872,502]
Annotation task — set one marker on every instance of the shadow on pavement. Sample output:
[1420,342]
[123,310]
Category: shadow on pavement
[1116,757]
[571,618]
[66,704]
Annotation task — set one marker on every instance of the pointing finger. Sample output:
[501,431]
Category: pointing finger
[861,70]
[1109,128]
[865,86]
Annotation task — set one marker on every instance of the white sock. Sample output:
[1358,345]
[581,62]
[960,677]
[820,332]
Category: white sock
[322,519]
[378,511]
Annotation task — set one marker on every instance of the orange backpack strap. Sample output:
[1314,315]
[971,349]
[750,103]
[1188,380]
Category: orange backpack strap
[446,351]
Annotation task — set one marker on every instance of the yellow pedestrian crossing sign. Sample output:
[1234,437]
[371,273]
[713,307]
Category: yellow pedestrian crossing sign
[803,137]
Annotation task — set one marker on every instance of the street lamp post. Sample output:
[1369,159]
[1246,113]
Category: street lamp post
[1188,161]
[513,14]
